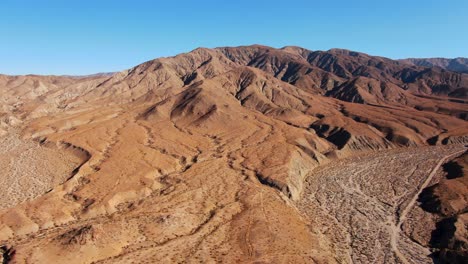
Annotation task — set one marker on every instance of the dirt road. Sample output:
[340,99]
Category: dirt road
[396,229]
[362,202]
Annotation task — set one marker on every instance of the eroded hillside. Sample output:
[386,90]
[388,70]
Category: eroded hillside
[214,155]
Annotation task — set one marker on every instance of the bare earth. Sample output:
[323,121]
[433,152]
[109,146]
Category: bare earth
[234,155]
[29,170]
[363,202]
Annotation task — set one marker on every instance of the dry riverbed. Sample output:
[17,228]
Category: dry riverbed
[28,169]
[361,203]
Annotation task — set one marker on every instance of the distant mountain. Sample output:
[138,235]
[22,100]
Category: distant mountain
[95,75]
[457,64]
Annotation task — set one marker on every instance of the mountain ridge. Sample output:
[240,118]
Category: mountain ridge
[458,64]
[429,62]
[206,154]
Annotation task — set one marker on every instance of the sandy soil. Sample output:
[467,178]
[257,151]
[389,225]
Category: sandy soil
[29,169]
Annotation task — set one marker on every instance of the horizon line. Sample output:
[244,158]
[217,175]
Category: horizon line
[110,73]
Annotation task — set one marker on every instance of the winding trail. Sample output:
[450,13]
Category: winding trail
[354,202]
[396,228]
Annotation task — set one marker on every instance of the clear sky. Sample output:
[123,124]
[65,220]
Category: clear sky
[88,36]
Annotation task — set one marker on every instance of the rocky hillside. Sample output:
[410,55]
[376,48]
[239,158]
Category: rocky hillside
[202,156]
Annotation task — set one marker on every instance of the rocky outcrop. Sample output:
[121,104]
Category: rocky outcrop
[6,254]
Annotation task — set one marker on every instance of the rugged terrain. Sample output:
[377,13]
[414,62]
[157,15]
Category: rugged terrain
[443,208]
[246,154]
[456,64]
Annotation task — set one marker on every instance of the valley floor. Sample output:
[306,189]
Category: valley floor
[29,169]
[362,202]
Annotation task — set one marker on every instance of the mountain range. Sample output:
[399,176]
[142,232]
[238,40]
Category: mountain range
[211,155]
[456,65]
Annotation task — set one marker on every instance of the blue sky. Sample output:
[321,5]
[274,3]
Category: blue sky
[84,36]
